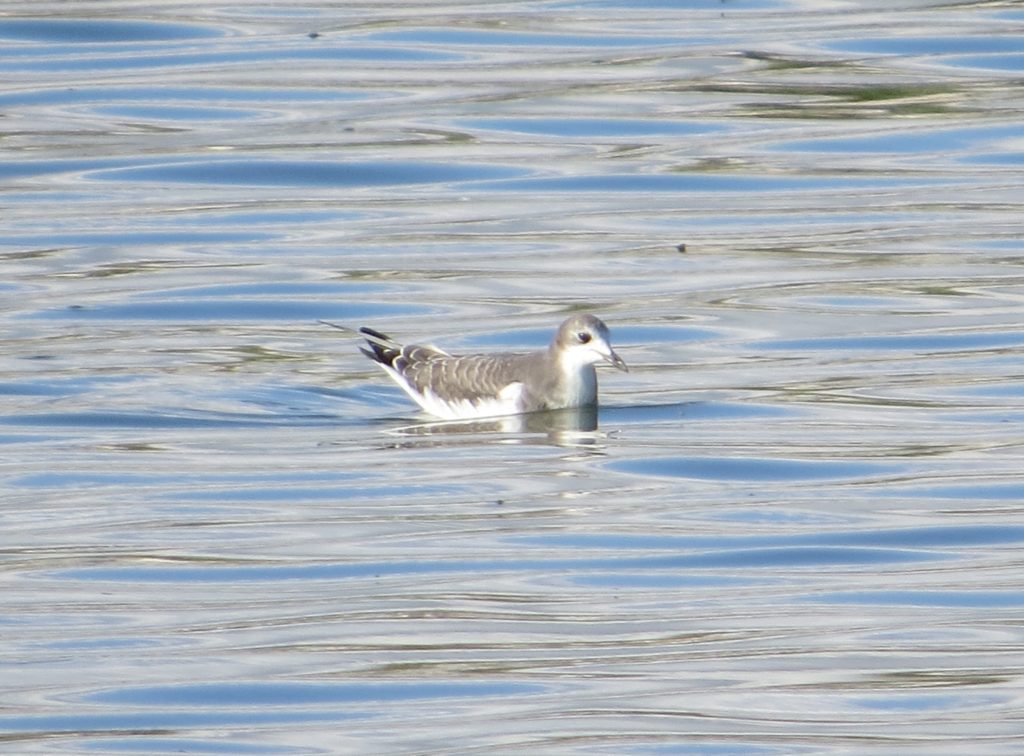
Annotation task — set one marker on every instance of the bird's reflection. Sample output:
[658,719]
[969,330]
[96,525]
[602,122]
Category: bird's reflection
[575,427]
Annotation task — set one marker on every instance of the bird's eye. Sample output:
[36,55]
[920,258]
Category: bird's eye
[583,337]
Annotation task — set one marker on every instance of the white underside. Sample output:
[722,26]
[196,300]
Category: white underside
[507,402]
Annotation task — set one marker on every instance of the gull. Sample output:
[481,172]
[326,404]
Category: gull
[473,386]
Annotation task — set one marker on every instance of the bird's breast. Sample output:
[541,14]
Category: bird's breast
[578,387]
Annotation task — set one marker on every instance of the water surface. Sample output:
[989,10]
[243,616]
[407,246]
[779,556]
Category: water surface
[794,527]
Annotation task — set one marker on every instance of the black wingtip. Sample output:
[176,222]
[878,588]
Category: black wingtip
[366,331]
[340,327]
[377,351]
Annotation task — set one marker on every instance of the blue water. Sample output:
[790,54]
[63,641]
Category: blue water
[793,527]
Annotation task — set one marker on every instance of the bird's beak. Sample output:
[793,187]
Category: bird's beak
[617,361]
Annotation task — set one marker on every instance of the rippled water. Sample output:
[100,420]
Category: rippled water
[797,526]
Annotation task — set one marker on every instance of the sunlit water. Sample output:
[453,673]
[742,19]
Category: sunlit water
[797,526]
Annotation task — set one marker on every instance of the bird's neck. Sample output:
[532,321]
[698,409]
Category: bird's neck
[577,383]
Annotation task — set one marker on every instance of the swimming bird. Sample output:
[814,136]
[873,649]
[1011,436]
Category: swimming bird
[463,387]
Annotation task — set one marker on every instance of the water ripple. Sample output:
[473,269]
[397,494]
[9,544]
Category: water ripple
[793,526]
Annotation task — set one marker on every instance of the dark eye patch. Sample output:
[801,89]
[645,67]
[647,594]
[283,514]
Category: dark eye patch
[583,337]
